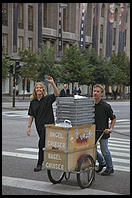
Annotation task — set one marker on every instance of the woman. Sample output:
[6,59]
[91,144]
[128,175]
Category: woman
[41,110]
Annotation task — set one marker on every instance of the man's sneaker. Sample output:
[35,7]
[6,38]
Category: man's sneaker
[107,172]
[100,168]
[38,168]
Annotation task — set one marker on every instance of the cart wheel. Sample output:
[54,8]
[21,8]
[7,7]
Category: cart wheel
[86,169]
[55,176]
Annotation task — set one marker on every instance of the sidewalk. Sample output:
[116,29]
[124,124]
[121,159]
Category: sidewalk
[23,104]
[20,103]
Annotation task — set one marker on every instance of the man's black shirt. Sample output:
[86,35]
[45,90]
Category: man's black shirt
[42,111]
[103,112]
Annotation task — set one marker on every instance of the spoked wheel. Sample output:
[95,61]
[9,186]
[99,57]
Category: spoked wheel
[86,171]
[55,176]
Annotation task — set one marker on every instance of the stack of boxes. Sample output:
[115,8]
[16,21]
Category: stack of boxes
[78,111]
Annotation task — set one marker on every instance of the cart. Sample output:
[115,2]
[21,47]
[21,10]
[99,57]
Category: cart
[70,150]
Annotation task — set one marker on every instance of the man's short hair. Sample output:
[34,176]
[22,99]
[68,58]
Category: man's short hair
[100,86]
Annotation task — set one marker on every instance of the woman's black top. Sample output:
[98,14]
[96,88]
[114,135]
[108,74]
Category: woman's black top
[42,111]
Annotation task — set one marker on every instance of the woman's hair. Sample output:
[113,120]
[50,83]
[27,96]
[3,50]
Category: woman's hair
[34,95]
[100,86]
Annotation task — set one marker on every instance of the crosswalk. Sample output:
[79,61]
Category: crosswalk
[120,151]
[119,148]
[21,114]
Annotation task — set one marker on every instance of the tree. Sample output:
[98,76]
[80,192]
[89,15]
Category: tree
[46,62]
[5,67]
[120,65]
[75,67]
[30,64]
[101,71]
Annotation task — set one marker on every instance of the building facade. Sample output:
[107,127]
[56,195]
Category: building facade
[104,26]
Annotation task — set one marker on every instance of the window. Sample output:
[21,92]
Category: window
[101,34]
[30,18]
[52,43]
[20,15]
[113,52]
[64,48]
[30,44]
[45,24]
[126,17]
[64,20]
[116,14]
[20,42]
[125,37]
[103,11]
[4,44]
[100,51]
[114,36]
[5,14]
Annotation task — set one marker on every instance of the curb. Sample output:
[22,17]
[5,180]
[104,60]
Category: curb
[16,108]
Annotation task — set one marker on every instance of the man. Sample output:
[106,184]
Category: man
[63,92]
[41,111]
[103,112]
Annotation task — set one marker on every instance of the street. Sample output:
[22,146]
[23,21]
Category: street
[19,157]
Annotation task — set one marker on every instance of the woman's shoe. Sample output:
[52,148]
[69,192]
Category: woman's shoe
[38,168]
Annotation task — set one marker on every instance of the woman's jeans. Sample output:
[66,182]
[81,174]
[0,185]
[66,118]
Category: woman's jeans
[105,158]
[41,145]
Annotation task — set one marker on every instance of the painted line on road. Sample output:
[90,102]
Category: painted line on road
[118,145]
[28,149]
[13,154]
[28,156]
[127,142]
[119,154]
[121,160]
[123,120]
[117,149]
[49,187]
[122,168]
[119,139]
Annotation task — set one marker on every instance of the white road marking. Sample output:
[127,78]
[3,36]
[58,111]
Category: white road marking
[49,187]
[22,155]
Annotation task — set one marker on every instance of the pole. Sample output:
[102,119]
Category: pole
[60,32]
[14,89]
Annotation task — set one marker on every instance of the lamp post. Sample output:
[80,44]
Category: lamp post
[83,25]
[16,59]
[61,6]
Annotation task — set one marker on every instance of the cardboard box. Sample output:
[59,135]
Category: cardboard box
[65,146]
[66,162]
[70,139]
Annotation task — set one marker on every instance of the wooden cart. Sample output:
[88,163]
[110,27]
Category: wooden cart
[70,150]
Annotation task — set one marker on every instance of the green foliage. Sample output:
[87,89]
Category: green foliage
[84,67]
[30,64]
[46,62]
[75,67]
[5,67]
[120,65]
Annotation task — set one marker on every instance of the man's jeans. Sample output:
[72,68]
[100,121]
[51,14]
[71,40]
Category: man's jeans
[105,158]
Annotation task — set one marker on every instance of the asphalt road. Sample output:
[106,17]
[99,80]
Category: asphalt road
[18,164]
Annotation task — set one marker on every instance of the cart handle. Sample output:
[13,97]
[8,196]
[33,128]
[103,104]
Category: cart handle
[67,122]
[100,136]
